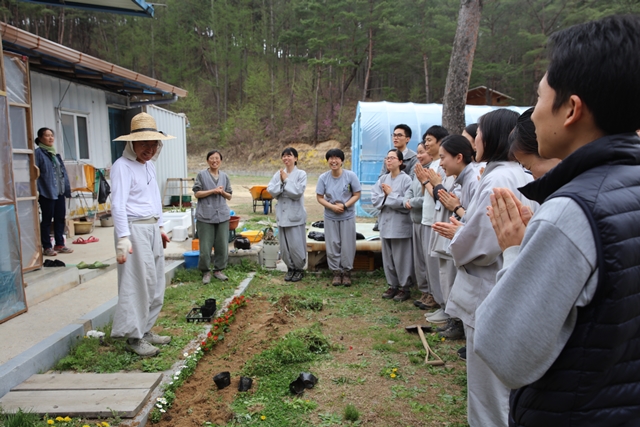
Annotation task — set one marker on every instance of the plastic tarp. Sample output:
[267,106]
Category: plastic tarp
[371,136]
[12,299]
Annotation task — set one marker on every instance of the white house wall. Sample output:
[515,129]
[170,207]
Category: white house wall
[172,162]
[50,93]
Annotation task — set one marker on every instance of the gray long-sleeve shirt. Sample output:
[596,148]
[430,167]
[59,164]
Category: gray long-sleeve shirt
[290,209]
[527,319]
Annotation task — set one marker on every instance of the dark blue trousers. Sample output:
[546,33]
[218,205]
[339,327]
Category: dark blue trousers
[52,209]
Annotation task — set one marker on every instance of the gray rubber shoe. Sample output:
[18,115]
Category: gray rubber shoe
[141,347]
[153,338]
[220,275]
[206,278]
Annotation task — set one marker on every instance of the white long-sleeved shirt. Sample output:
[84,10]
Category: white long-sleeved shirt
[134,193]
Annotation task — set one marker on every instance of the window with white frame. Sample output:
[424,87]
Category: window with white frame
[75,135]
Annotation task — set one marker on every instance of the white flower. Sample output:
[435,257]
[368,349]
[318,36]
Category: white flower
[186,354]
[158,405]
[163,411]
[159,399]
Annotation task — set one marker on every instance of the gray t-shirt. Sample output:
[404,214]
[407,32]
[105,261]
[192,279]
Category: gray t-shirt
[340,190]
[212,209]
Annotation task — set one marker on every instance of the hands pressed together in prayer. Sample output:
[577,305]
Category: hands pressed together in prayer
[449,200]
[509,217]
[447,229]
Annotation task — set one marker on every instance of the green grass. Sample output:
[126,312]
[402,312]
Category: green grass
[110,355]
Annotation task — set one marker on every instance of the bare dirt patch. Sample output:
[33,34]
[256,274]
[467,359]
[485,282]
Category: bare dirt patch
[365,344]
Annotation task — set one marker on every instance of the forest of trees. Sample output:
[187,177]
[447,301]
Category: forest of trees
[293,70]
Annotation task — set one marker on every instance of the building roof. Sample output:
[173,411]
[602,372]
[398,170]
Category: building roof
[128,7]
[54,59]
[478,96]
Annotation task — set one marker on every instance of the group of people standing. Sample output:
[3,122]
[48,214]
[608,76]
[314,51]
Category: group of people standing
[541,276]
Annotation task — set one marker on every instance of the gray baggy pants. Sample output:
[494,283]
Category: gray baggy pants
[213,236]
[293,246]
[398,263]
[340,241]
[141,283]
[487,396]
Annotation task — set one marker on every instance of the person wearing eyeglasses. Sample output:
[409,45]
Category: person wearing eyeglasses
[400,137]
[396,227]
[136,208]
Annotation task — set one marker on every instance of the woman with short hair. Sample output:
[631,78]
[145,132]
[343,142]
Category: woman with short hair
[213,190]
[287,186]
[338,190]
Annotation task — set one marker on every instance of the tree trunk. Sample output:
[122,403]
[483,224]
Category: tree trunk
[61,26]
[369,61]
[460,65]
[316,107]
[425,61]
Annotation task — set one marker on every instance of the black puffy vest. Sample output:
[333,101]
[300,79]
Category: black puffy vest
[595,381]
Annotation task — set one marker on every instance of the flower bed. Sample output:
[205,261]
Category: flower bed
[214,336]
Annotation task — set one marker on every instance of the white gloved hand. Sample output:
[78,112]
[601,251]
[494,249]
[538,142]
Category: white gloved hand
[123,248]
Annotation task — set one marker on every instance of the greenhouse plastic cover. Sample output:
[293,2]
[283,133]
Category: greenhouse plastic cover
[372,129]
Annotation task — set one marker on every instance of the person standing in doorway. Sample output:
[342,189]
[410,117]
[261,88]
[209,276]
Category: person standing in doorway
[53,188]
[140,239]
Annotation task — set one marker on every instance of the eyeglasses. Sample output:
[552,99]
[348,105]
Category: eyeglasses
[390,158]
[398,135]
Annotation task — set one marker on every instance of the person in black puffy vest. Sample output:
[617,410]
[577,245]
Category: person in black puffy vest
[562,325]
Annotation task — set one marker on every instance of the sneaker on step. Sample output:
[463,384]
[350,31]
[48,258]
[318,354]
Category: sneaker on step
[402,296]
[62,249]
[49,252]
[455,331]
[154,338]
[390,293]
[438,316]
[206,277]
[220,275]
[142,347]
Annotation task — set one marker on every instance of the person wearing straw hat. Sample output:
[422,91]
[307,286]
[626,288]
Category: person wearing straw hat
[140,239]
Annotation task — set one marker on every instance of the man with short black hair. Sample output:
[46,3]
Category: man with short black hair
[562,325]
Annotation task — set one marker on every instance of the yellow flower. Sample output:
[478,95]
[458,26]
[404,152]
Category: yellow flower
[105,424]
[392,375]
[51,422]
[59,419]
[394,370]
[442,339]
[86,425]
[67,419]
[263,417]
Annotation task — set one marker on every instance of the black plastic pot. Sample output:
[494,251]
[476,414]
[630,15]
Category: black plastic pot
[209,308]
[308,379]
[245,383]
[297,386]
[222,380]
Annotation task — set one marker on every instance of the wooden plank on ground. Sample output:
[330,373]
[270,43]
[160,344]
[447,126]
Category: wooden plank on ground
[88,381]
[77,403]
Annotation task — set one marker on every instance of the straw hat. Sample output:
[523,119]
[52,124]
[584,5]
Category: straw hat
[144,128]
